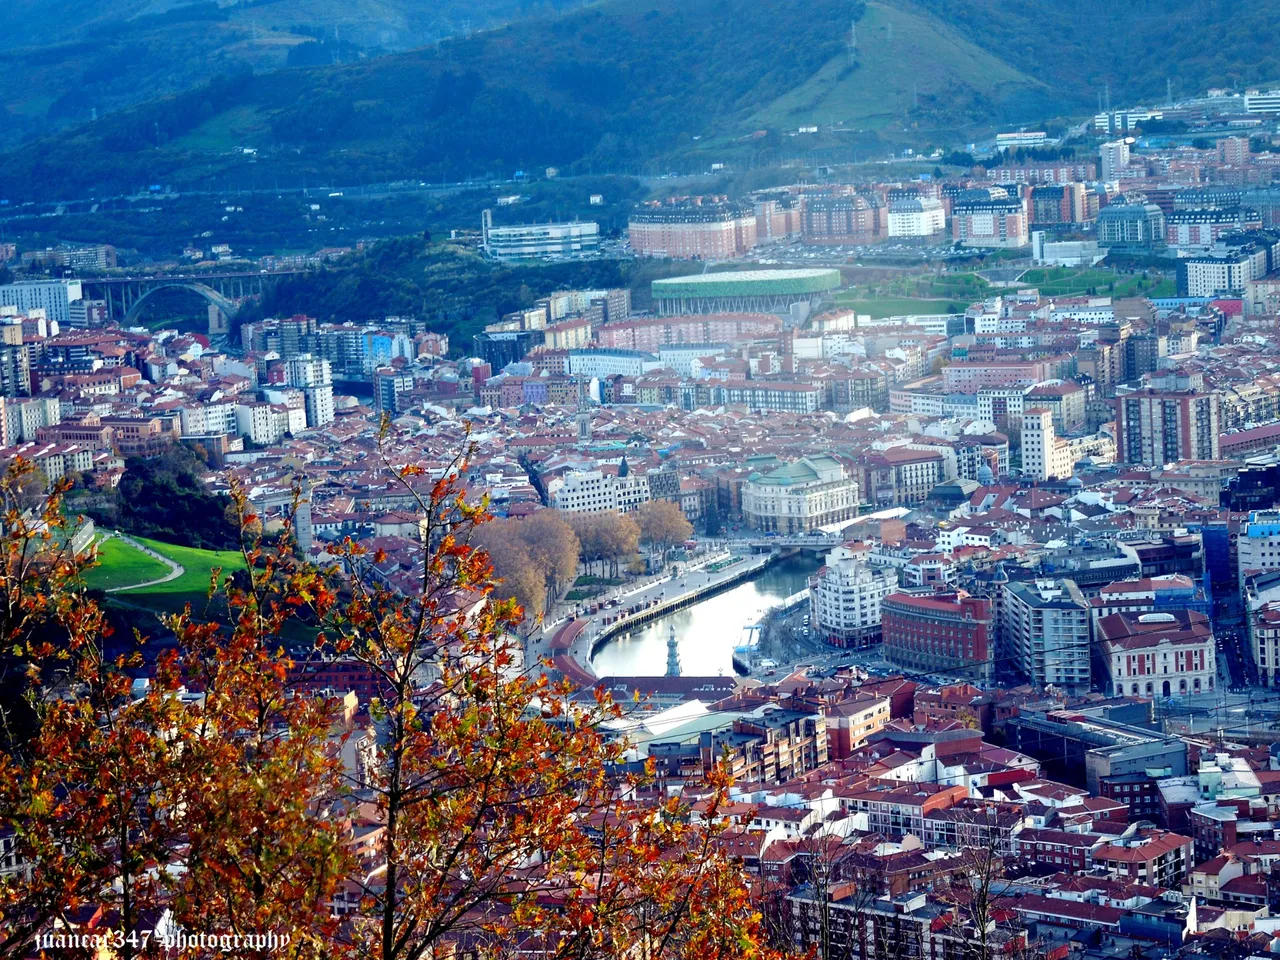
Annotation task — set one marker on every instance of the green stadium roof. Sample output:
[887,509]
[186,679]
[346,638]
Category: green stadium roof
[749,283]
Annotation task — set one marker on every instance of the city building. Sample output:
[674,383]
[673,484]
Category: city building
[1065,171]
[951,633]
[1154,857]
[1172,593]
[61,300]
[100,256]
[1155,427]
[534,241]
[1021,138]
[311,375]
[917,217]
[567,334]
[777,217]
[208,419]
[1258,543]
[841,922]
[286,336]
[800,497]
[1262,297]
[1264,636]
[851,722]
[1045,629]
[379,347]
[15,361]
[844,599]
[1216,276]
[971,376]
[1114,159]
[769,396]
[1062,203]
[609,362]
[1200,229]
[1135,225]
[261,423]
[1044,455]
[1262,101]
[1064,253]
[767,745]
[989,218]
[594,491]
[689,231]
[390,386]
[506,346]
[1158,654]
[54,460]
[651,334]
[852,219]
[1064,399]
[902,475]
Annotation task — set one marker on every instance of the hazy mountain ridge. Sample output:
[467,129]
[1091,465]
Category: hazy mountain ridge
[81,58]
[593,87]
[622,83]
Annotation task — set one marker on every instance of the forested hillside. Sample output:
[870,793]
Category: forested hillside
[1138,48]
[622,83]
[70,59]
[599,87]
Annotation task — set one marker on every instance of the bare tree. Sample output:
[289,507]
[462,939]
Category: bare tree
[984,837]
[606,538]
[662,525]
[536,558]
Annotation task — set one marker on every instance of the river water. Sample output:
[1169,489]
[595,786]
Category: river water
[708,631]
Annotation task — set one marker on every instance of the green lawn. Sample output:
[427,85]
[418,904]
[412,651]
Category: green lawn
[120,565]
[920,292]
[1068,282]
[192,586]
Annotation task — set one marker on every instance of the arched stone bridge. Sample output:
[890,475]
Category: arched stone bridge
[226,305]
[124,295]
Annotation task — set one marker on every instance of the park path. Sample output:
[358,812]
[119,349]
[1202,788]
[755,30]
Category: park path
[175,569]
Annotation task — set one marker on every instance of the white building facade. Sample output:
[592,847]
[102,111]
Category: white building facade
[61,300]
[799,497]
[594,491]
[916,217]
[844,599]
[1045,627]
[311,375]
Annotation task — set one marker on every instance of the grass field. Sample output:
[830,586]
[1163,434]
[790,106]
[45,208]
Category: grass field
[1069,282]
[922,293]
[124,565]
[120,565]
[226,131]
[192,586]
[910,66]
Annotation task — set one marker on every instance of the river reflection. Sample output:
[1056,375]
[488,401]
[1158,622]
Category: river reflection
[708,631]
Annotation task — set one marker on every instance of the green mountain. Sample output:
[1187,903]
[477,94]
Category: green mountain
[73,59]
[626,84]
[913,74]
[1137,49]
